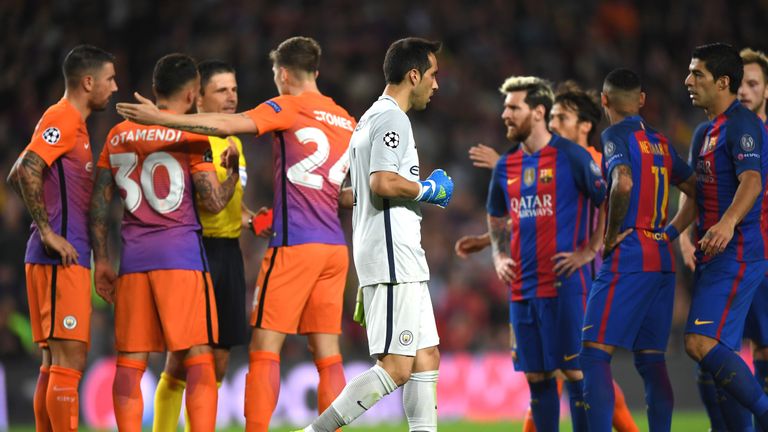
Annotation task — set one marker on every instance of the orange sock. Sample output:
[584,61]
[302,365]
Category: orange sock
[528,424]
[262,387]
[622,418]
[202,392]
[61,399]
[332,381]
[126,394]
[42,422]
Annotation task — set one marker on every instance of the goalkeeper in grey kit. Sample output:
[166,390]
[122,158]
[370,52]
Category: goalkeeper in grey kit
[386,240]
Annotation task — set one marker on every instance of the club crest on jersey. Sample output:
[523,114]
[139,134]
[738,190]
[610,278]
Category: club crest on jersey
[51,135]
[529,176]
[406,338]
[609,149]
[546,175]
[69,322]
[747,143]
[392,139]
[595,169]
[709,144]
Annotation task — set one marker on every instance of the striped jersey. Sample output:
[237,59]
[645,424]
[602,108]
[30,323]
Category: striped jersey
[546,195]
[722,149]
[655,165]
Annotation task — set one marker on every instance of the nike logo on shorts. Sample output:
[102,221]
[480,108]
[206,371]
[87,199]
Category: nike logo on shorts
[699,322]
[585,328]
[362,406]
[570,357]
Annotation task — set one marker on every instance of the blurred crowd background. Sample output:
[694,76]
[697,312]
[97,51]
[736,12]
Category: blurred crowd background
[484,42]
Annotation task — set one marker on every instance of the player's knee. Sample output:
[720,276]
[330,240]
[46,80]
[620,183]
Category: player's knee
[573,374]
[427,359]
[222,363]
[69,354]
[535,377]
[697,346]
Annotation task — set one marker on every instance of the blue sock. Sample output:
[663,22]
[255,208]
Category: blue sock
[737,417]
[576,398]
[545,405]
[598,388]
[733,376]
[658,390]
[761,373]
[708,392]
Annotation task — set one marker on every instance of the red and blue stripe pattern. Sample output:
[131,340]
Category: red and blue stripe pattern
[655,167]
[546,196]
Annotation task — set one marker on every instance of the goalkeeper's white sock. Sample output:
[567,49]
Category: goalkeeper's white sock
[360,394]
[420,401]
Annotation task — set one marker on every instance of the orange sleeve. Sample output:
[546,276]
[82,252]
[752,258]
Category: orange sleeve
[54,136]
[200,154]
[275,114]
[103,161]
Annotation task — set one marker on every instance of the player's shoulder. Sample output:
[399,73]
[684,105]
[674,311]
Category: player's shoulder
[568,147]
[741,118]
[61,115]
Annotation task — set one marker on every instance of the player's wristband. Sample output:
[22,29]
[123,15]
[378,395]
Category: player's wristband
[672,232]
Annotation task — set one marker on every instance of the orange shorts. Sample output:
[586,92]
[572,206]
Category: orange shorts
[164,310]
[59,302]
[301,289]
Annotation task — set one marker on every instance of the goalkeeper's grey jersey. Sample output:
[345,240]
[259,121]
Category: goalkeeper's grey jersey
[386,233]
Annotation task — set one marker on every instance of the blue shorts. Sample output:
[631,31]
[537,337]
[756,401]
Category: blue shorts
[630,310]
[756,325]
[722,294]
[546,331]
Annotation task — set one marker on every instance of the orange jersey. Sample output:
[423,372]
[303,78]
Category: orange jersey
[596,155]
[153,168]
[310,163]
[61,140]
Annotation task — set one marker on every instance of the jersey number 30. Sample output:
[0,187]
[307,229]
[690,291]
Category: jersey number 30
[126,164]
[302,173]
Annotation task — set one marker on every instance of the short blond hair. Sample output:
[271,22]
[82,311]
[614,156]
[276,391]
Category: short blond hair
[538,91]
[750,56]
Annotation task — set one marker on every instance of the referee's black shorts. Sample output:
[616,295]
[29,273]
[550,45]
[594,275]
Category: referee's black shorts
[225,261]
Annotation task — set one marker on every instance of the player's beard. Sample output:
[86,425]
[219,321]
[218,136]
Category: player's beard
[522,132]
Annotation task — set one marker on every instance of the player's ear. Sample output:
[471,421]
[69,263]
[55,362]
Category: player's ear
[87,83]
[414,76]
[604,100]
[641,100]
[723,82]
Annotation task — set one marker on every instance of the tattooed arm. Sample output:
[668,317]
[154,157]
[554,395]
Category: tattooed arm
[104,276]
[30,175]
[498,229]
[13,179]
[618,205]
[213,195]
[219,124]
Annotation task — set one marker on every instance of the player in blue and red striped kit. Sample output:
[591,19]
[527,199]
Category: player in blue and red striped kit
[630,305]
[730,160]
[726,413]
[537,210]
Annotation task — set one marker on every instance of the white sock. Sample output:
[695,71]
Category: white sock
[420,401]
[359,395]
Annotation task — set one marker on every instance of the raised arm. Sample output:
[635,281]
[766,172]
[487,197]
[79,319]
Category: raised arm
[219,124]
